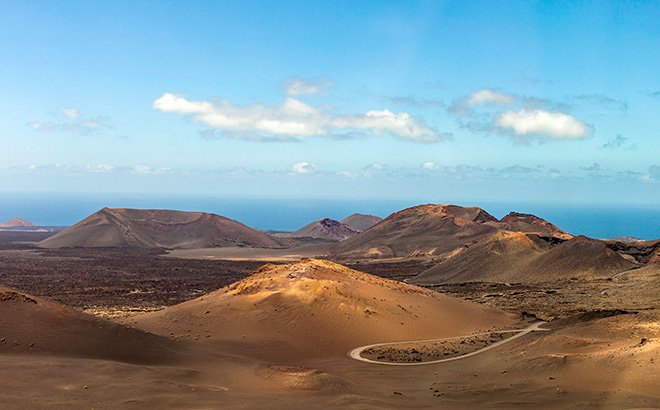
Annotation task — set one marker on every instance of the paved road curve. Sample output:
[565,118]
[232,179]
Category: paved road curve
[356,353]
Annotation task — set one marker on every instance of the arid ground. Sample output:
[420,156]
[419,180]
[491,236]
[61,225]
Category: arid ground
[259,344]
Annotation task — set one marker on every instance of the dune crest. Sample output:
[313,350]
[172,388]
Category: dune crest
[318,308]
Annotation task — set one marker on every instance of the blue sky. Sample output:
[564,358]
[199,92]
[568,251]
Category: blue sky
[533,101]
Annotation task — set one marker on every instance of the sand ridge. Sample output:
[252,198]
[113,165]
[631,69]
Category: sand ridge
[318,308]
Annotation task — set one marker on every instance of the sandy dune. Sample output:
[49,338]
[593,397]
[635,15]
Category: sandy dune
[279,339]
[32,325]
[315,308]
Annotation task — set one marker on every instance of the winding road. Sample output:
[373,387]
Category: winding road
[535,327]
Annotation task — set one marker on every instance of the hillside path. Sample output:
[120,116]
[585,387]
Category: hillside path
[535,327]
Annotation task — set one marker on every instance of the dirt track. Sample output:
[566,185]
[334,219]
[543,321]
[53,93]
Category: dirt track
[356,353]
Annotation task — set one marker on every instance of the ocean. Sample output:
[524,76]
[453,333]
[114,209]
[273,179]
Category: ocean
[597,221]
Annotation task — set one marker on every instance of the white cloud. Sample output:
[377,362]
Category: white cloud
[413,101]
[293,119]
[303,168]
[540,123]
[83,126]
[377,166]
[374,169]
[345,174]
[45,126]
[488,96]
[142,169]
[298,86]
[100,168]
[69,112]
[429,166]
[401,124]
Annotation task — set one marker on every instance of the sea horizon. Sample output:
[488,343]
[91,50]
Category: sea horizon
[596,220]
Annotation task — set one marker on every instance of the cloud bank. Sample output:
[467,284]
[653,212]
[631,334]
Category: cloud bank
[296,119]
[73,123]
[526,117]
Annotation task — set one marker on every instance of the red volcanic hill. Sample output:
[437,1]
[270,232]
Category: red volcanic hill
[519,222]
[424,230]
[17,222]
[325,228]
[32,325]
[361,222]
[318,308]
[157,229]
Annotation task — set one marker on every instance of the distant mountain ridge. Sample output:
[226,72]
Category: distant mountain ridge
[433,230]
[326,228]
[361,222]
[122,227]
[17,222]
[470,245]
[423,230]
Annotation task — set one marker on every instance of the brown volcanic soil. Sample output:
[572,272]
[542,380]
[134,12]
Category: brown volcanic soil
[325,228]
[527,223]
[421,352]
[317,308]
[579,257]
[640,251]
[32,325]
[420,231]
[21,239]
[590,361]
[361,222]
[143,228]
[519,257]
[115,281]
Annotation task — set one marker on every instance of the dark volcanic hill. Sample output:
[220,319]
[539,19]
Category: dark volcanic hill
[325,228]
[17,222]
[526,258]
[424,230]
[361,222]
[518,222]
[157,229]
